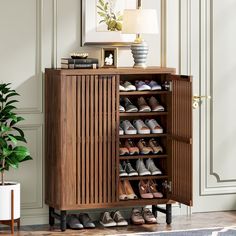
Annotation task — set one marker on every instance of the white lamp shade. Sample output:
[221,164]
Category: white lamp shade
[140,21]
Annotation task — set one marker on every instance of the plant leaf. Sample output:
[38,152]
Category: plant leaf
[19,130]
[10,102]
[12,138]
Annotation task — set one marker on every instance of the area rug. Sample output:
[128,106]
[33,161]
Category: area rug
[227,231]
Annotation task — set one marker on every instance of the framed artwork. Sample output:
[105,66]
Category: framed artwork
[109,57]
[102,22]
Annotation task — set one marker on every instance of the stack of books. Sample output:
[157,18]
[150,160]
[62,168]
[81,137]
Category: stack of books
[79,63]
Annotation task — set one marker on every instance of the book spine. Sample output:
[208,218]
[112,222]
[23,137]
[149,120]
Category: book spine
[79,61]
[80,66]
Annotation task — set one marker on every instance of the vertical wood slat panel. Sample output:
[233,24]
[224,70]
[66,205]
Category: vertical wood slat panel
[87,144]
[100,160]
[182,151]
[97,139]
[96,101]
[92,160]
[79,139]
[83,96]
[68,126]
[104,139]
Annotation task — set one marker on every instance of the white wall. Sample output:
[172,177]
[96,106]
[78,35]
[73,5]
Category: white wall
[35,34]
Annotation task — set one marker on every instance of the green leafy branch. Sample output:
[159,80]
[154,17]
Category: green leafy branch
[111,19]
[11,154]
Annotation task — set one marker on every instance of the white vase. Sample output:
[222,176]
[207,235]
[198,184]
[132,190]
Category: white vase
[5,200]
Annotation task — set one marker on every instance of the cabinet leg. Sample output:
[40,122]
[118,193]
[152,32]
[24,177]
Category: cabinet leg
[168,214]
[154,210]
[51,218]
[63,220]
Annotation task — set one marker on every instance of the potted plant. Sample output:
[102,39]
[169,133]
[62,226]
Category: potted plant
[11,151]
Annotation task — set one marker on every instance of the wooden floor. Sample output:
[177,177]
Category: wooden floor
[198,220]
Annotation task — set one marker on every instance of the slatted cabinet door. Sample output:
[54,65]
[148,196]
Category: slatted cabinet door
[180,126]
[97,135]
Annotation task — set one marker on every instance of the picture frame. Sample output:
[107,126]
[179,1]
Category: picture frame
[109,57]
[100,29]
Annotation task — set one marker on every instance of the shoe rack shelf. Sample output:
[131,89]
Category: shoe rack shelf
[144,177]
[127,136]
[142,156]
[138,114]
[143,93]
[82,139]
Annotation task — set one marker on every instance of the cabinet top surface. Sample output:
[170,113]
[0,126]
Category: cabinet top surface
[119,70]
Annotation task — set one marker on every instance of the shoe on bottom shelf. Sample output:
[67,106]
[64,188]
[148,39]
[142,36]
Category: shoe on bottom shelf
[73,222]
[106,220]
[86,221]
[119,219]
[129,190]
[153,189]
[148,216]
[136,217]
[144,189]
[122,192]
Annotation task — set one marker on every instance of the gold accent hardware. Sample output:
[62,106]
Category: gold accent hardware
[197,100]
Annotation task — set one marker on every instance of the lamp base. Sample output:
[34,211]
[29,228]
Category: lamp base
[140,52]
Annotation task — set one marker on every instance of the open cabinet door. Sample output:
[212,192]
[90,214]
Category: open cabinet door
[180,142]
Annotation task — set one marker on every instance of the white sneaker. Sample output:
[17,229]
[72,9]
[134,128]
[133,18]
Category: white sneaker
[128,127]
[122,88]
[150,165]
[141,127]
[121,131]
[128,86]
[140,167]
[141,86]
[154,126]
[154,85]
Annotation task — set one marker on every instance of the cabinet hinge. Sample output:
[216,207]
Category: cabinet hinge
[167,185]
[168,85]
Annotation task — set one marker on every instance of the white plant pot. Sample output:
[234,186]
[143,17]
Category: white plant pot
[5,200]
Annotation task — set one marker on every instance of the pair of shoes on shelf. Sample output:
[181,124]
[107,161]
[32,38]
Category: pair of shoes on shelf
[127,106]
[139,85]
[126,169]
[129,148]
[152,104]
[152,146]
[113,219]
[149,169]
[139,218]
[80,221]
[148,189]
[142,147]
[150,126]
[147,85]
[126,191]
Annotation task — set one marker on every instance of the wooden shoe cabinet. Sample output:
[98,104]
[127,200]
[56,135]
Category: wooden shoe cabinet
[82,139]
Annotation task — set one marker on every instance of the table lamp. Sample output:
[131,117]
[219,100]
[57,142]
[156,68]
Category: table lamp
[140,21]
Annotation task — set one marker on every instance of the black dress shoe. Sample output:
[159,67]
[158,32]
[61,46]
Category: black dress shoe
[86,221]
[73,222]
